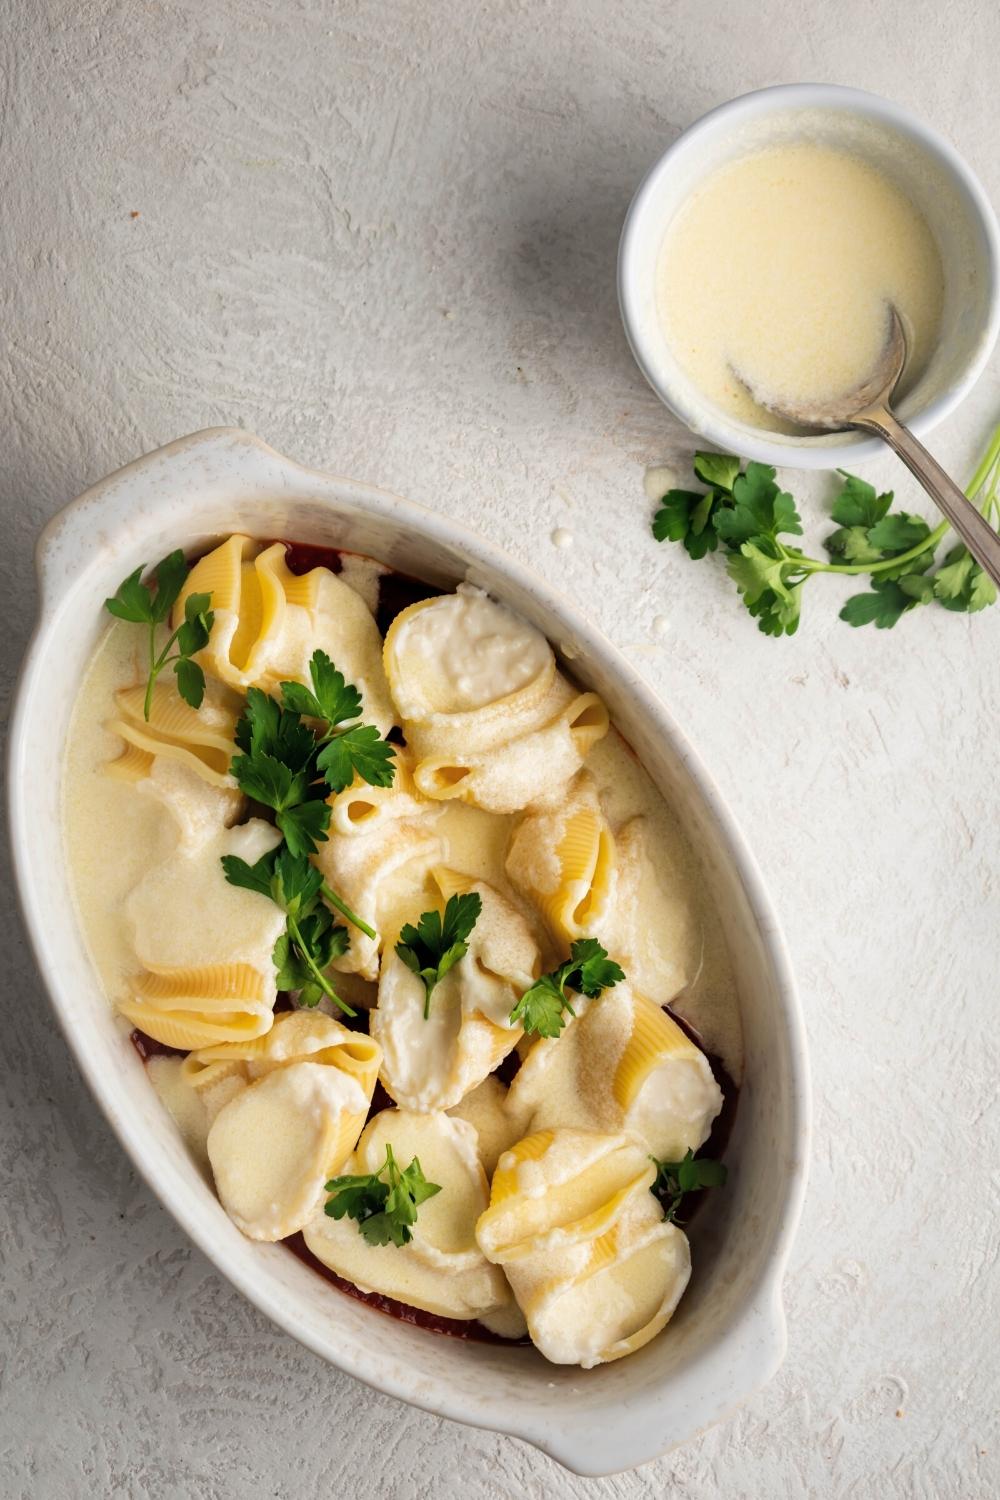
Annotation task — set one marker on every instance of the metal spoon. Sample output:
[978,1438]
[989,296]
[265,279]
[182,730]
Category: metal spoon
[867,407]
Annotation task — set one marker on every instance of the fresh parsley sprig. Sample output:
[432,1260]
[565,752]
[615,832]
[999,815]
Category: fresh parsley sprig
[140,603]
[311,940]
[588,970]
[437,942]
[384,1203]
[343,751]
[278,768]
[750,517]
[675,1179]
[289,768]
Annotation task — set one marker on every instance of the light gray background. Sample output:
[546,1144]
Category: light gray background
[383,237]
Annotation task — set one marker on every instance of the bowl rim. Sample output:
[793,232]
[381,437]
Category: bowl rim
[701,417]
[761,1318]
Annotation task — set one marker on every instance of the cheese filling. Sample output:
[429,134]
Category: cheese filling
[461,652]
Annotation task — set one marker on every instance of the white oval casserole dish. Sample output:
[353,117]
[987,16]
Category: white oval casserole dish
[728,1336]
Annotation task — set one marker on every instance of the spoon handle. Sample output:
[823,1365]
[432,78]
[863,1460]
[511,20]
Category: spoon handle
[976,532]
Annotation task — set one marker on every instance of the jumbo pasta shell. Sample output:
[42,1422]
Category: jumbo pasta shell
[360,809]
[431,727]
[199,1006]
[277,1141]
[654,1039]
[132,765]
[623,1294]
[187,1030]
[586,856]
[559,1187]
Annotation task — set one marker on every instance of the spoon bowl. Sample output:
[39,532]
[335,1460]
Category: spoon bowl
[867,407]
[839,413]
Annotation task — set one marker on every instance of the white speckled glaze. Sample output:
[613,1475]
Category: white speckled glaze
[929,170]
[728,1337]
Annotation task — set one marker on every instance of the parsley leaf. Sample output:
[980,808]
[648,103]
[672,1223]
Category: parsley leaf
[588,970]
[675,1179]
[384,1203]
[437,943]
[360,751]
[982,590]
[133,600]
[257,877]
[277,768]
[952,578]
[190,681]
[898,532]
[171,575]
[763,583]
[304,825]
[311,940]
[268,780]
[961,584]
[281,764]
[759,509]
[852,544]
[331,698]
[344,753]
[717,470]
[268,729]
[684,516]
[598,972]
[300,960]
[137,602]
[883,608]
[540,1009]
[858,505]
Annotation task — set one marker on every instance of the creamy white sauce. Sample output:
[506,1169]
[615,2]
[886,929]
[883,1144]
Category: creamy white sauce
[678,931]
[113,837]
[776,275]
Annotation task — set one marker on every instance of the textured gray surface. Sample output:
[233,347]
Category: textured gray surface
[383,237]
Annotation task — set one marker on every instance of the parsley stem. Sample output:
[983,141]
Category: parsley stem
[990,463]
[147,702]
[310,963]
[156,665]
[340,905]
[814,565]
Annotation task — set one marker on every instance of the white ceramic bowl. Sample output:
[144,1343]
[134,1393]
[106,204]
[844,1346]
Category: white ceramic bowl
[925,166]
[729,1335]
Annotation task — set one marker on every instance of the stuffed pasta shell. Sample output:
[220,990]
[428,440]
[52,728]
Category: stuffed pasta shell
[433,1057]
[202,739]
[490,720]
[622,1064]
[268,622]
[362,809]
[205,946]
[594,1266]
[441,1269]
[563,858]
[294,1105]
[383,876]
